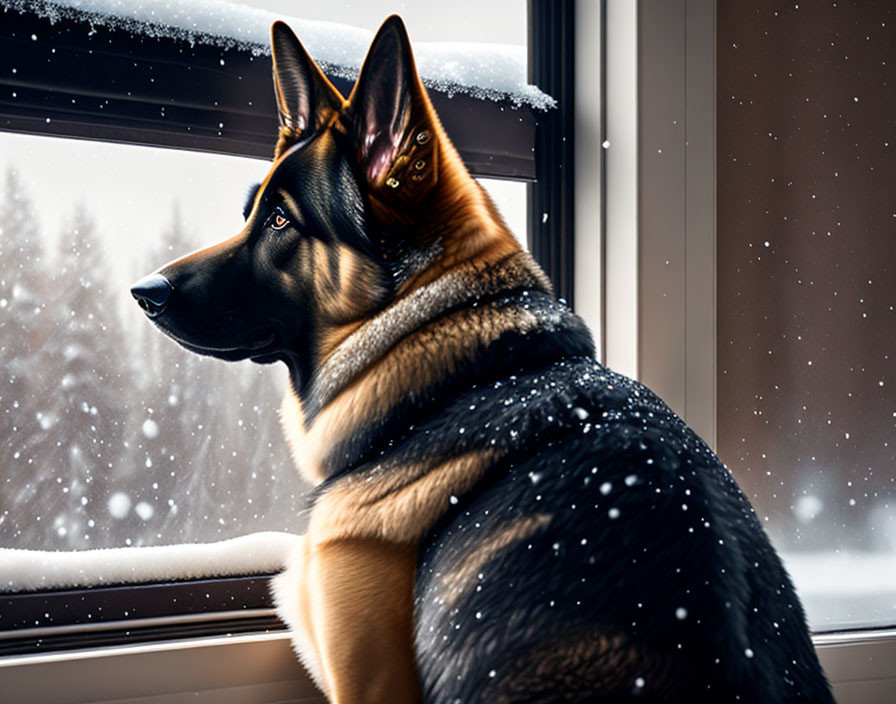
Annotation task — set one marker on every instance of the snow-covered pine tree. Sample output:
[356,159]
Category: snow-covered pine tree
[24,419]
[85,358]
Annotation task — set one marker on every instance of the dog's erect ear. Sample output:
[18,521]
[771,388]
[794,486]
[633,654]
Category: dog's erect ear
[305,98]
[393,121]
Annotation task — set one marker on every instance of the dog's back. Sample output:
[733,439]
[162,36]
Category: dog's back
[607,556]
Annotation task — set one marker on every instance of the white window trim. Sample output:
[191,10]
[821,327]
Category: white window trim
[655,308]
[252,669]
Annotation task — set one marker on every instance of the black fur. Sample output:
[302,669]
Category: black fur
[677,598]
[582,443]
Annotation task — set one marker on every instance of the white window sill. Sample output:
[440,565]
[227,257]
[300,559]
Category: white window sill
[255,669]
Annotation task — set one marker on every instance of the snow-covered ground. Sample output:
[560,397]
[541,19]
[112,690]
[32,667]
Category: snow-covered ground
[843,590]
[488,71]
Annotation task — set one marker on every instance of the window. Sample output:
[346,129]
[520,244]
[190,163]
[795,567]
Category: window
[806,293]
[732,301]
[113,436]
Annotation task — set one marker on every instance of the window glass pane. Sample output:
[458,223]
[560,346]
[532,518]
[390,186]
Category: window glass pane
[110,433]
[806,294]
[511,198]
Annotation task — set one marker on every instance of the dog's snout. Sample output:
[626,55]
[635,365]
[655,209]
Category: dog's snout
[152,293]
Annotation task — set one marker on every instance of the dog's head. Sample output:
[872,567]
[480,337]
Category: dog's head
[351,216]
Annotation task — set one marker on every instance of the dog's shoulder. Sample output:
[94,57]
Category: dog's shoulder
[447,416]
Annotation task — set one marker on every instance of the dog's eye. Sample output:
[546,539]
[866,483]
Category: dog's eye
[278,220]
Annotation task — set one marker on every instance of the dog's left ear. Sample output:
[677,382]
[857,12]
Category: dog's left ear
[395,127]
[306,100]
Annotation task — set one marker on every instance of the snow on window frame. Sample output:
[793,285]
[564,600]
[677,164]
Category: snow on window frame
[496,72]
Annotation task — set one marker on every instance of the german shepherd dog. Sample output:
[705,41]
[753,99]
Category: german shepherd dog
[497,517]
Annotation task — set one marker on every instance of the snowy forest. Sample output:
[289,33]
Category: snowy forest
[111,434]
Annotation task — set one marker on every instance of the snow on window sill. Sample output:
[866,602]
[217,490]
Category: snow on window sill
[32,570]
[486,71]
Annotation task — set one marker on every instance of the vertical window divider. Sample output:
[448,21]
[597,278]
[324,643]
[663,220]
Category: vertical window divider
[551,26]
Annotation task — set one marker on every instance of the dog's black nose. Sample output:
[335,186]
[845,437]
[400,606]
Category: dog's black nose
[152,293]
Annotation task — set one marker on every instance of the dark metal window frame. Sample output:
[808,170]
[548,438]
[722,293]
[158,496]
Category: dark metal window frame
[110,85]
[551,197]
[42,622]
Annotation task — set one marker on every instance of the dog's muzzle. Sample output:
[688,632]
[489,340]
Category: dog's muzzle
[152,293]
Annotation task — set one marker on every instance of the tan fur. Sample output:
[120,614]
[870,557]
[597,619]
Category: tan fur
[476,230]
[412,364]
[349,603]
[321,274]
[461,217]
[290,589]
[345,297]
[474,279]
[397,504]
[291,205]
[466,573]
[470,233]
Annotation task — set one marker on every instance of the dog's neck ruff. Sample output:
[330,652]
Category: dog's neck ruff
[466,327]
[464,285]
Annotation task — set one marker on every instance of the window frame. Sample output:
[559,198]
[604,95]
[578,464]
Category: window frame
[93,94]
[656,181]
[106,616]
[111,85]
[551,197]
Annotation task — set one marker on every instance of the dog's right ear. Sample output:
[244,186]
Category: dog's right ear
[306,100]
[395,126]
